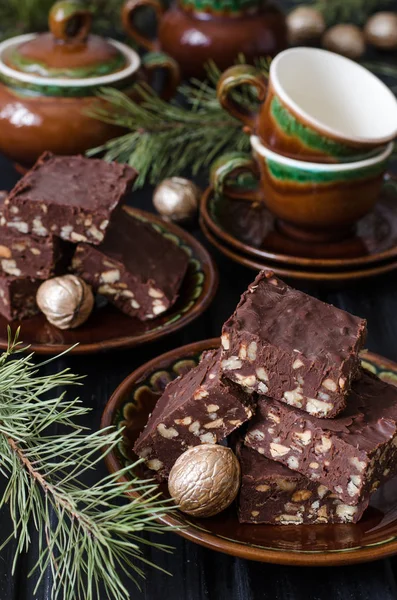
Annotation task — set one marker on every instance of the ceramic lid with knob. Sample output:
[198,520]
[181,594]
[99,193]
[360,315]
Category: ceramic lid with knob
[68,53]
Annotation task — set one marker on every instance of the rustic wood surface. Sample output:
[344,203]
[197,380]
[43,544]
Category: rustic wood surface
[197,573]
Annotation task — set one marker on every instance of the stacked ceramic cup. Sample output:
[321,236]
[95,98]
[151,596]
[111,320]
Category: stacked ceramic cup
[321,140]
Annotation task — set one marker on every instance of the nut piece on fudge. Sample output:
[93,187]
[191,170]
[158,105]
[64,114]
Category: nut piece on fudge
[31,256]
[72,197]
[196,408]
[136,268]
[18,297]
[292,347]
[351,455]
[272,493]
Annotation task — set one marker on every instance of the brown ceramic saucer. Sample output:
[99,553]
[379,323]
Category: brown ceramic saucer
[251,229]
[325,277]
[107,328]
[375,536]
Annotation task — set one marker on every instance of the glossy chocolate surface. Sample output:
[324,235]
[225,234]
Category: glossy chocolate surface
[351,454]
[197,408]
[71,196]
[139,270]
[271,493]
[292,347]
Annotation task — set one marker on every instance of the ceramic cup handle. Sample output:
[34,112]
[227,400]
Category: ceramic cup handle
[229,167]
[127,15]
[155,61]
[70,21]
[235,77]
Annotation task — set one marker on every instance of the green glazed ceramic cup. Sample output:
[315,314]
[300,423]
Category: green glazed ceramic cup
[313,201]
[316,106]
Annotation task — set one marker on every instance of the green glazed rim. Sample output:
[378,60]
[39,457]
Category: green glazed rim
[293,128]
[33,67]
[31,84]
[285,173]
[219,7]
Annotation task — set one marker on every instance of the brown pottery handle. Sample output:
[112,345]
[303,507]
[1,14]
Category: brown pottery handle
[127,15]
[235,77]
[230,166]
[70,21]
[154,61]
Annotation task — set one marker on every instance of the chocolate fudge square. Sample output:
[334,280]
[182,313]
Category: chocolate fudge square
[139,270]
[196,408]
[72,197]
[351,455]
[273,494]
[285,344]
[18,297]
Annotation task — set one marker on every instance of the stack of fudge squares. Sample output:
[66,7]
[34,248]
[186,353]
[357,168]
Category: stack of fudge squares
[315,433]
[65,215]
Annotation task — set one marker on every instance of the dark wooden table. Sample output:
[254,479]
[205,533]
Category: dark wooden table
[198,573]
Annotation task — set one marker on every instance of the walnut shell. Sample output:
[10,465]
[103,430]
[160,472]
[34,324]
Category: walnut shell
[205,480]
[66,301]
[345,39]
[381,30]
[304,24]
[176,199]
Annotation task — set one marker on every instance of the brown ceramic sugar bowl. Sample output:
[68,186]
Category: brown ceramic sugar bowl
[312,201]
[316,106]
[196,31]
[49,82]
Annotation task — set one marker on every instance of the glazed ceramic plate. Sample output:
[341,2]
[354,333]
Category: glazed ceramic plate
[250,228]
[308,275]
[107,328]
[375,536]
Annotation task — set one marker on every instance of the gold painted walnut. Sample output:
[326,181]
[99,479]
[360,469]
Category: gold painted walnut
[66,301]
[205,480]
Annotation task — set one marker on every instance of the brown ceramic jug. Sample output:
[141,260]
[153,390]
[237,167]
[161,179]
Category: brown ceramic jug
[196,31]
[49,84]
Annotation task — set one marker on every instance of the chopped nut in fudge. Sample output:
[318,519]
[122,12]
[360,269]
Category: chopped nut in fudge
[24,255]
[18,297]
[285,344]
[72,197]
[139,270]
[196,408]
[351,455]
[271,493]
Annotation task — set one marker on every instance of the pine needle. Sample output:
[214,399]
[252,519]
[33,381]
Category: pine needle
[87,536]
[166,139]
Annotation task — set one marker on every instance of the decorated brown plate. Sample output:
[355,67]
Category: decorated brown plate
[250,228]
[107,328]
[375,536]
[301,274]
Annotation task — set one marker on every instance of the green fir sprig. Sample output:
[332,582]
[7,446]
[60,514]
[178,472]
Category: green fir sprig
[87,536]
[166,139]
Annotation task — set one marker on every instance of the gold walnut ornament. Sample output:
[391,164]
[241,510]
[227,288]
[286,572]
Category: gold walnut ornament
[205,480]
[66,301]
[176,199]
[381,30]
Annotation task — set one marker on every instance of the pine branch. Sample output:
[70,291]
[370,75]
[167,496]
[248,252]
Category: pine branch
[166,139]
[87,537]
